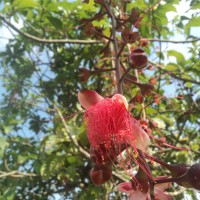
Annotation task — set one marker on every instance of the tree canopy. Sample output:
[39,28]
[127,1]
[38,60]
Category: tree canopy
[59,48]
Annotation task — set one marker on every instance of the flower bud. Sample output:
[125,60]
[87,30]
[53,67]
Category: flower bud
[101,173]
[178,169]
[191,179]
[138,59]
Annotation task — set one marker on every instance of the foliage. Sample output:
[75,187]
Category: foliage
[43,156]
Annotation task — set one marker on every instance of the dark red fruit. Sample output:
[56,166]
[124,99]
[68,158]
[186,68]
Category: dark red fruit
[138,59]
[101,173]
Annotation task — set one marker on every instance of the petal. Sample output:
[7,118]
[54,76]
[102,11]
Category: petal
[88,98]
[121,99]
[141,137]
[125,187]
[159,194]
[163,186]
[137,195]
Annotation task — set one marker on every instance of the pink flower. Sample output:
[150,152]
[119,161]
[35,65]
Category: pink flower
[110,127]
[126,187]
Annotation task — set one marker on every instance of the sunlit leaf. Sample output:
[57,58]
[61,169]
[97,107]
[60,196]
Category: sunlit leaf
[21,4]
[193,22]
[179,56]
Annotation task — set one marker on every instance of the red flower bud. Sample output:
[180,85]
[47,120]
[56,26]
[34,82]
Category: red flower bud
[178,169]
[101,173]
[138,59]
[191,179]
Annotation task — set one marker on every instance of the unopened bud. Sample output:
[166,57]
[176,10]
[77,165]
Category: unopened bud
[178,169]
[138,59]
[100,173]
[191,179]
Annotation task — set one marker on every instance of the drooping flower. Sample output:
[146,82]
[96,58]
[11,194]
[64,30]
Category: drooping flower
[110,127]
[126,187]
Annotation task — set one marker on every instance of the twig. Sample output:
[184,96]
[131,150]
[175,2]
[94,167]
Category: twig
[173,74]
[43,40]
[15,174]
[172,41]
[125,73]
[85,153]
[116,49]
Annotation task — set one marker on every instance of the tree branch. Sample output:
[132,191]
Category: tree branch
[43,40]
[172,41]
[116,49]
[85,153]
[76,41]
[15,174]
[173,74]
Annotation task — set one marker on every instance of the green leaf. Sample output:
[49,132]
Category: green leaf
[171,67]
[179,56]
[151,111]
[4,145]
[188,84]
[9,193]
[194,22]
[161,124]
[186,76]
[21,4]
[57,23]
[74,160]
[194,7]
[168,7]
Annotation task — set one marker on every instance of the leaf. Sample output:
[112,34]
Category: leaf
[161,124]
[21,4]
[171,67]
[188,84]
[151,111]
[179,56]
[168,7]
[9,193]
[74,160]
[130,37]
[186,76]
[194,7]
[57,23]
[4,145]
[194,22]
[105,51]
